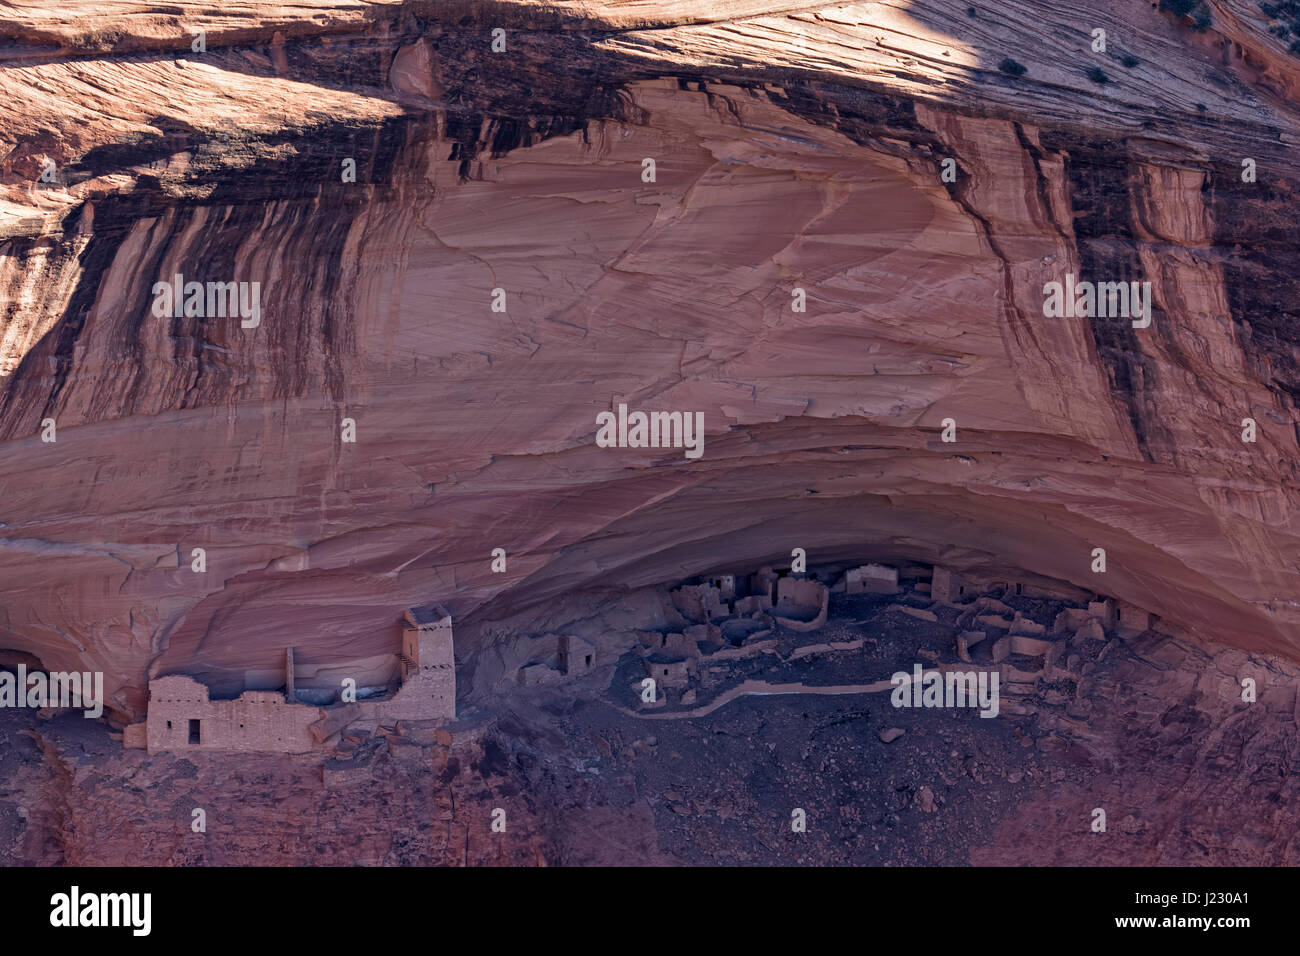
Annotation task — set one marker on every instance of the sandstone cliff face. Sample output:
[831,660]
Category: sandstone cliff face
[74,797]
[796,146]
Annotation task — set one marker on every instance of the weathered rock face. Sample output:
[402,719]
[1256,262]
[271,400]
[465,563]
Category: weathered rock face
[795,147]
[73,796]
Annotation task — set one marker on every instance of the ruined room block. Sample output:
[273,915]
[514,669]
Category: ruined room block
[1028,646]
[182,717]
[1130,620]
[704,634]
[725,584]
[1014,675]
[577,656]
[534,675]
[1090,631]
[335,719]
[1103,611]
[1027,627]
[1071,619]
[1053,590]
[871,579]
[667,671]
[801,604]
[965,641]
[680,645]
[428,690]
[763,582]
[946,586]
[699,603]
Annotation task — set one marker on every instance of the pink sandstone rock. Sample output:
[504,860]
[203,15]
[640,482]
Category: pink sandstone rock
[475,429]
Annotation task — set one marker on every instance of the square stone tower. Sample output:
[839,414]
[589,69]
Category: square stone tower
[428,690]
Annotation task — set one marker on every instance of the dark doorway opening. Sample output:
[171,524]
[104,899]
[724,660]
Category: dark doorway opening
[194,731]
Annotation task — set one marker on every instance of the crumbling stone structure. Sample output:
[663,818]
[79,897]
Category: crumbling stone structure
[871,579]
[726,585]
[428,690]
[576,655]
[946,586]
[801,603]
[700,603]
[182,717]
[669,672]
[1103,611]
[1130,620]
[538,673]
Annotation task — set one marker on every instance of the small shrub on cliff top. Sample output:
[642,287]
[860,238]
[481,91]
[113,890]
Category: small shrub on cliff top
[1196,9]
[1287,11]
[1011,67]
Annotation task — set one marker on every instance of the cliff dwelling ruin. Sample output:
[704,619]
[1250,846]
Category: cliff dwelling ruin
[712,364]
[181,716]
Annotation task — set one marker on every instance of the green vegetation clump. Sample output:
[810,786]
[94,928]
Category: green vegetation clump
[1287,12]
[1013,68]
[1129,60]
[1098,76]
[1196,9]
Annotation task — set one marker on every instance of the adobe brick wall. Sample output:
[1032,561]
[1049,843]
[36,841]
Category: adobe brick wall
[262,722]
[256,722]
[429,691]
[802,596]
[871,579]
[945,586]
[575,654]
